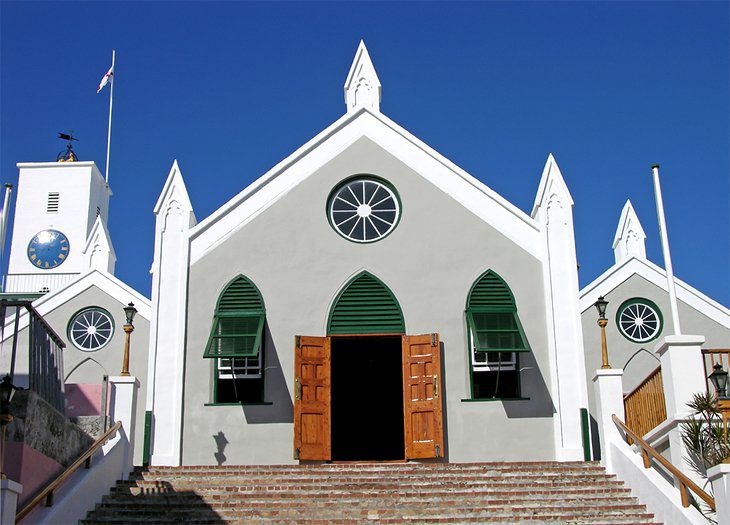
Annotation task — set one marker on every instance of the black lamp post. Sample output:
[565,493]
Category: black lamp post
[602,322]
[7,391]
[719,380]
[129,312]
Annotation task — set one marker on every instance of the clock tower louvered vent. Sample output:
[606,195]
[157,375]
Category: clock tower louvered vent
[52,204]
[241,294]
[366,306]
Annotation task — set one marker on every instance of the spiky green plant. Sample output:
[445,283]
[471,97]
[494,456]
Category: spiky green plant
[704,436]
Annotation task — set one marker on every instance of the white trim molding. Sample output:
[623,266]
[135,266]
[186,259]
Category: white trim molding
[619,273]
[475,196]
[173,219]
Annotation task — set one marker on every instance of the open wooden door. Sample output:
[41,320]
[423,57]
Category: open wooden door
[312,408]
[424,434]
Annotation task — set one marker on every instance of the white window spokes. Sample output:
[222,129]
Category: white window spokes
[639,322]
[91,329]
[364,210]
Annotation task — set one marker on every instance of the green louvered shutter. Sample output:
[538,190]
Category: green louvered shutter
[490,291]
[366,306]
[491,314]
[238,323]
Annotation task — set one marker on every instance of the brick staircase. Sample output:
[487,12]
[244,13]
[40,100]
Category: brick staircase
[507,493]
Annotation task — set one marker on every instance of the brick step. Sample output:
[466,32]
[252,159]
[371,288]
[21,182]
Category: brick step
[540,493]
[423,488]
[193,503]
[360,469]
[270,480]
[557,512]
[628,520]
[431,516]
[471,498]
[415,479]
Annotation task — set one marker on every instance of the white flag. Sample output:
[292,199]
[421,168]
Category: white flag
[105,80]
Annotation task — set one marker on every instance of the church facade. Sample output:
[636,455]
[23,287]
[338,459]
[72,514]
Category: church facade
[366,299]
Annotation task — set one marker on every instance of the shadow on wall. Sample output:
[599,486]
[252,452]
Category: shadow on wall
[444,404]
[279,407]
[533,384]
[220,443]
[159,503]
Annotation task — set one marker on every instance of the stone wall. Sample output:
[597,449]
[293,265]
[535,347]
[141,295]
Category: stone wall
[38,425]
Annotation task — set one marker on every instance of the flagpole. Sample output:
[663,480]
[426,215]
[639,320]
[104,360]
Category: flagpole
[665,250]
[109,132]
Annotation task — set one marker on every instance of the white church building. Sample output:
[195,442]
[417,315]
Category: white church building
[365,299]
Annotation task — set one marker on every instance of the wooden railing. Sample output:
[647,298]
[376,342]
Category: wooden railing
[644,405]
[648,453]
[710,357]
[84,459]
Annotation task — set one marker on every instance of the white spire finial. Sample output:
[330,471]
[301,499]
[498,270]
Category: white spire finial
[630,238]
[362,87]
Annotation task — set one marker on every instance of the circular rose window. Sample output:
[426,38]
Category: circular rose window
[363,209]
[91,329]
[639,320]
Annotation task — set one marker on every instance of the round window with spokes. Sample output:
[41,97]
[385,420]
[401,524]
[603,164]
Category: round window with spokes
[363,209]
[639,320]
[91,329]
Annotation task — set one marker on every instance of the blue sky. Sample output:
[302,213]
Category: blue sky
[231,88]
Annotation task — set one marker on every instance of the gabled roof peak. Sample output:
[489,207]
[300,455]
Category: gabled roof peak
[630,238]
[362,86]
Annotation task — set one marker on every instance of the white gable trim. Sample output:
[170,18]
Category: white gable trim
[102,280]
[465,189]
[619,273]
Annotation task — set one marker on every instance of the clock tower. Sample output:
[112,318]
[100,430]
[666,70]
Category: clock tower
[59,230]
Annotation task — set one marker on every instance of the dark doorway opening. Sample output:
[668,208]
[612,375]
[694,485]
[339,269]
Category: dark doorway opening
[367,398]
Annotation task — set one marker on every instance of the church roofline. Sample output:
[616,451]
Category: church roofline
[618,273]
[102,280]
[251,191]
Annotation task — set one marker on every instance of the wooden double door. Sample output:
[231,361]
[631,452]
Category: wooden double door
[421,396]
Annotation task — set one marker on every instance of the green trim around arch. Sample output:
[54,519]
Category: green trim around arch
[366,306]
[238,322]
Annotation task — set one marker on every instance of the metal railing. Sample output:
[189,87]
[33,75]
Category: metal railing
[644,405]
[649,453]
[45,351]
[84,459]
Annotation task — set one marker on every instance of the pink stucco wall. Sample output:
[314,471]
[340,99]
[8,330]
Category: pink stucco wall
[29,467]
[83,399]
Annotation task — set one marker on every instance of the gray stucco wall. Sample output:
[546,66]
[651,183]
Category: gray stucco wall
[90,367]
[621,349]
[299,263]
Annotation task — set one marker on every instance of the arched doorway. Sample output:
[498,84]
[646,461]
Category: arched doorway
[366,324]
[367,391]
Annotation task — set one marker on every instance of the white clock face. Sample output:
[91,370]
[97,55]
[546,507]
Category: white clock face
[363,210]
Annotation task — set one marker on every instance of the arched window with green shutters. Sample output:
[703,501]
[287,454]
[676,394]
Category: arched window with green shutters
[496,338]
[238,321]
[235,344]
[492,316]
[366,306]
